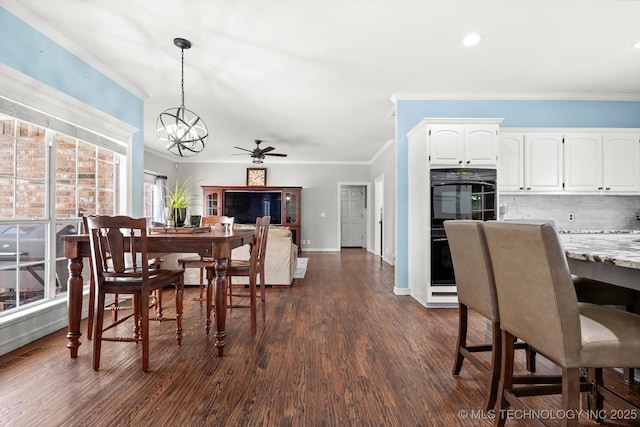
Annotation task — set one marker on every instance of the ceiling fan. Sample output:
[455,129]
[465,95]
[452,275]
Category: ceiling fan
[258,154]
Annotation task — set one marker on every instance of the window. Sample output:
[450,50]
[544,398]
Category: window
[48,180]
[154,195]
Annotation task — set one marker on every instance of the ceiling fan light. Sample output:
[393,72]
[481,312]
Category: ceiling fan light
[182,131]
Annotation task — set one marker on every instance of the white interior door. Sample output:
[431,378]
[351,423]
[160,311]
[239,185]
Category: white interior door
[352,216]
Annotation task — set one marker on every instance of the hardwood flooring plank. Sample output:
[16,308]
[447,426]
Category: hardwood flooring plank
[338,349]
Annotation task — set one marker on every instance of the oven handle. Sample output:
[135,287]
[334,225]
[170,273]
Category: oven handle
[442,239]
[490,184]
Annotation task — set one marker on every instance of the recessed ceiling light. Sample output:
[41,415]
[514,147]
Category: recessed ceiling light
[637,44]
[472,39]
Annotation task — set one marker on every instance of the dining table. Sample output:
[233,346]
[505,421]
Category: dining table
[215,243]
[610,257]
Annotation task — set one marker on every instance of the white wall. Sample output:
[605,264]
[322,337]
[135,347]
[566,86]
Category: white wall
[384,164]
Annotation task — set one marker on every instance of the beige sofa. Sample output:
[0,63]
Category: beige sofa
[281,257]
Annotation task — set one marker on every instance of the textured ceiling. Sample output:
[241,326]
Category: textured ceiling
[314,78]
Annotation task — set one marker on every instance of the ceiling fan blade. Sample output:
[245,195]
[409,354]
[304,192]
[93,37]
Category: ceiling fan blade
[275,154]
[241,154]
[244,149]
[266,150]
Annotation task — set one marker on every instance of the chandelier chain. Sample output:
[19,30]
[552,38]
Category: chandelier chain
[182,77]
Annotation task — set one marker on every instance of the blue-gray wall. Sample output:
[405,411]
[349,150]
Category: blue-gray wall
[30,52]
[516,113]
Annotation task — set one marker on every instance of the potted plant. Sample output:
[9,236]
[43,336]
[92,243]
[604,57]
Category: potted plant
[179,200]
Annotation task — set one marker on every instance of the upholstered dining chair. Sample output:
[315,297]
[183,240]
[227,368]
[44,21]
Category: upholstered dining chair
[253,268]
[477,291]
[200,262]
[538,303]
[120,265]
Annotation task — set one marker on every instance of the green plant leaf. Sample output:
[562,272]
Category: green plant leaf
[181,196]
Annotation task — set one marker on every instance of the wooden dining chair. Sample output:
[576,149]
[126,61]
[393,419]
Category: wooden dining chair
[201,262]
[538,303]
[115,305]
[120,265]
[253,268]
[476,290]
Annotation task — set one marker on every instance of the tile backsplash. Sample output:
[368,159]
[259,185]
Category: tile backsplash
[590,212]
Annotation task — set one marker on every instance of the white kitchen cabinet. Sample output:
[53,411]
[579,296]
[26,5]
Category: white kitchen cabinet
[543,162]
[511,162]
[621,162]
[530,162]
[465,145]
[598,161]
[583,162]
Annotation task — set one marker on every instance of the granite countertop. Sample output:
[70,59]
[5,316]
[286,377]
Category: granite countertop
[618,248]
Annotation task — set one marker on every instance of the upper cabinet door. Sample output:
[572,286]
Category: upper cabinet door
[511,162]
[480,145]
[463,145]
[543,162]
[446,144]
[621,162]
[583,162]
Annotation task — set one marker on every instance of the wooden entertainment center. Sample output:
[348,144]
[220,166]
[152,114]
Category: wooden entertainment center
[214,199]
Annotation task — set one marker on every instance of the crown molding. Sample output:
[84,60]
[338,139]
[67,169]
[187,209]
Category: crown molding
[430,96]
[382,150]
[38,24]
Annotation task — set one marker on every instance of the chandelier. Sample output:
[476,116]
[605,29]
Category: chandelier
[181,131]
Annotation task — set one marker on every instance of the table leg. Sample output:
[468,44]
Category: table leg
[74,305]
[220,268]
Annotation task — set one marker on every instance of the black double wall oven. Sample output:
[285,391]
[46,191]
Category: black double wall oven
[457,193]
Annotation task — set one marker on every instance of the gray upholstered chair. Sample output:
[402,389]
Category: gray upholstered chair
[538,304]
[477,291]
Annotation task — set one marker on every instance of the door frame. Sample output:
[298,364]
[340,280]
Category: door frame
[367,216]
[379,205]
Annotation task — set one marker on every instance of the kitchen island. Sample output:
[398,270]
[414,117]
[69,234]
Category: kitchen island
[608,257]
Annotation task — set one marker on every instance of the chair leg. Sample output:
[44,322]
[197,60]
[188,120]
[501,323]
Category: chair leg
[114,308]
[462,337]
[142,307]
[158,302]
[207,322]
[252,295]
[201,286]
[531,358]
[179,299]
[263,298]
[595,397]
[92,306]
[97,338]
[506,377]
[136,316]
[496,361]
[570,395]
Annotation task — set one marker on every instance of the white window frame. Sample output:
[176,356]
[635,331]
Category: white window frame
[30,100]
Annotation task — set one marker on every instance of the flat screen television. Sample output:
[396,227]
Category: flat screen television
[246,206]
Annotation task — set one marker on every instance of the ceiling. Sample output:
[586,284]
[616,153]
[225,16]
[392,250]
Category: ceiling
[314,78]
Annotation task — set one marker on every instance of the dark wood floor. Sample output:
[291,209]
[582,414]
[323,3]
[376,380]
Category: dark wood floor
[338,349]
